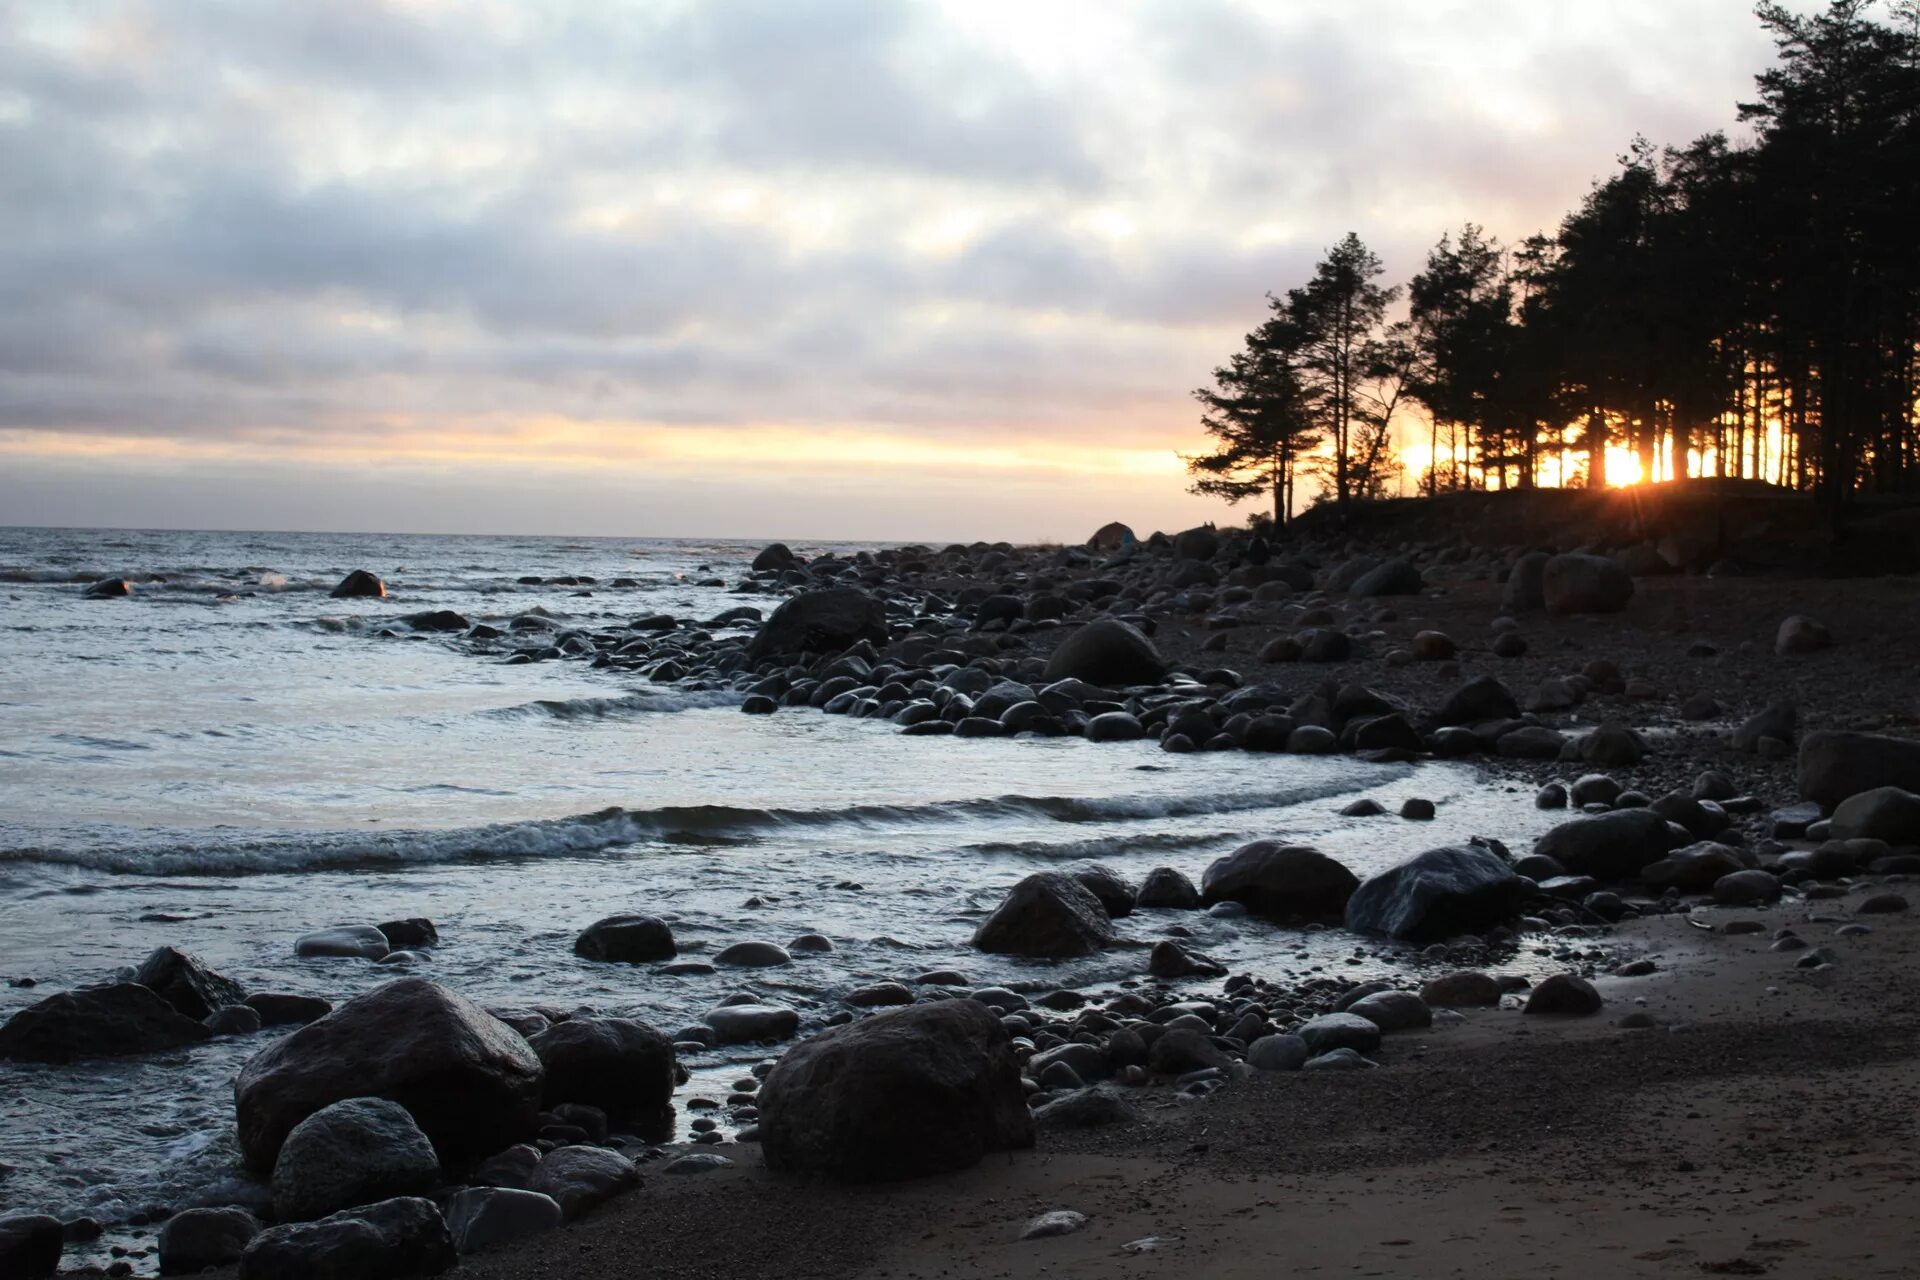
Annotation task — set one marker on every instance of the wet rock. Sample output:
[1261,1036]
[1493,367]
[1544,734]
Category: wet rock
[775,557]
[30,1245]
[1107,651]
[1417,809]
[1438,894]
[1608,846]
[1746,888]
[1047,914]
[1332,1031]
[1280,881]
[350,941]
[1835,765]
[286,1009]
[1393,1010]
[234,1020]
[108,589]
[97,1022]
[417,931]
[184,982]
[581,1178]
[486,1217]
[752,1023]
[471,1083]
[1551,796]
[1171,960]
[1278,1053]
[879,994]
[628,939]
[351,1153]
[820,622]
[1109,886]
[359,584]
[1178,1050]
[1167,888]
[1566,995]
[391,1240]
[754,955]
[1466,989]
[1884,813]
[622,1066]
[195,1239]
[922,1090]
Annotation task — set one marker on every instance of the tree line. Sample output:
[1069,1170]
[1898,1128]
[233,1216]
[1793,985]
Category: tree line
[1746,310]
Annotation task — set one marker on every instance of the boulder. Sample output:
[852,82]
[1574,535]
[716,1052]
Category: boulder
[752,1023]
[195,1239]
[1167,888]
[1112,537]
[485,1217]
[820,622]
[1109,886]
[1393,1010]
[350,941]
[391,1240]
[351,1153]
[188,985]
[754,955]
[1178,1050]
[1107,651]
[1198,543]
[921,1090]
[1114,726]
[109,589]
[582,1178]
[469,1081]
[1884,813]
[1746,888]
[97,1022]
[1477,701]
[359,585]
[30,1246]
[1394,578]
[1779,721]
[1278,1053]
[1801,635]
[1433,895]
[1692,869]
[1609,846]
[1281,881]
[775,557]
[1564,995]
[1526,588]
[1577,583]
[1048,914]
[1466,989]
[627,939]
[1169,959]
[415,931]
[1835,765]
[620,1065]
[286,1009]
[1332,1031]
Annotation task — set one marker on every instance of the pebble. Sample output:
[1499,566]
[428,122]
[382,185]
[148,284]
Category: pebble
[1060,1222]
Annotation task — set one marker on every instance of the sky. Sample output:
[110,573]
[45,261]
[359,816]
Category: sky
[887,269]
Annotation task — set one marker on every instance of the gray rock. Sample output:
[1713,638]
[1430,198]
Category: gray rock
[1437,894]
[487,1217]
[1341,1059]
[195,1239]
[1060,1222]
[752,1023]
[1467,989]
[30,1246]
[696,1162]
[582,1178]
[1393,1010]
[1178,1050]
[1113,890]
[820,622]
[1332,1031]
[1048,914]
[1167,888]
[1836,765]
[1799,635]
[628,939]
[1746,888]
[1608,846]
[193,989]
[391,1240]
[1278,1053]
[1577,583]
[1779,721]
[754,955]
[1525,590]
[622,1066]
[350,941]
[97,1022]
[1565,995]
[1107,651]
[1084,1109]
[351,1153]
[1884,813]
[1281,881]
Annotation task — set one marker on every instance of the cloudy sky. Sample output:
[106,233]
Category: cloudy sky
[806,268]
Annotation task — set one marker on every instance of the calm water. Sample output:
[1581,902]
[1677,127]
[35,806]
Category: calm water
[231,758]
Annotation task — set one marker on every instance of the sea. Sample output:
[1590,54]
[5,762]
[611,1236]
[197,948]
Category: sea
[229,758]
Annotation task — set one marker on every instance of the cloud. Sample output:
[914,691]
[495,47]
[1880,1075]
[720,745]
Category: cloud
[298,222]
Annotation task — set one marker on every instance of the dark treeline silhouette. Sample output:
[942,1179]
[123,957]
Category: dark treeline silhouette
[1722,309]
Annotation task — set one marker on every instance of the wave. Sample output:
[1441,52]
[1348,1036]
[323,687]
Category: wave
[639,702]
[216,853]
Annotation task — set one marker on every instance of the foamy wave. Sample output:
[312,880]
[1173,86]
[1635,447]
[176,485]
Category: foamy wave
[639,702]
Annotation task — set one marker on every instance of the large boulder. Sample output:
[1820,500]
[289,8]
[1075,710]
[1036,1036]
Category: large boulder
[1434,895]
[1609,846]
[1394,578]
[469,1080]
[820,622]
[775,557]
[631,939]
[1107,651]
[1835,765]
[1526,589]
[189,986]
[359,584]
[752,1023]
[620,1065]
[1884,813]
[1048,914]
[926,1089]
[1576,583]
[30,1245]
[1198,543]
[97,1022]
[1692,868]
[1284,881]
[1478,700]
[195,1239]
[351,1153]
[581,1178]
[391,1240]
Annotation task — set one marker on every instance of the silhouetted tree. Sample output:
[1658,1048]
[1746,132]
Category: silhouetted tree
[1258,411]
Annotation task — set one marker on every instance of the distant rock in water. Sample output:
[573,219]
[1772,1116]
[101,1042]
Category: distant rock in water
[820,622]
[1437,894]
[775,557]
[97,1022]
[1280,880]
[1048,914]
[359,584]
[109,589]
[434,620]
[194,990]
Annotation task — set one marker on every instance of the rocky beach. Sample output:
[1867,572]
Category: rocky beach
[1602,904]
